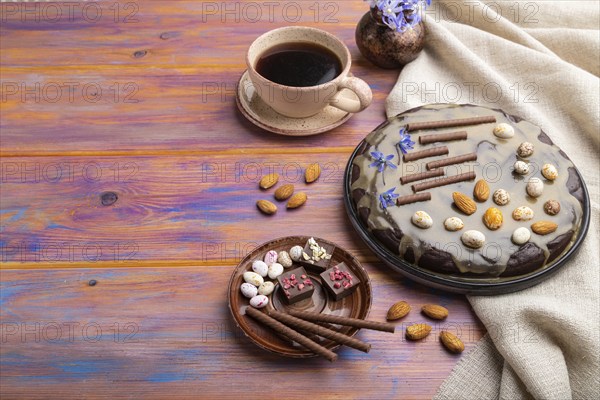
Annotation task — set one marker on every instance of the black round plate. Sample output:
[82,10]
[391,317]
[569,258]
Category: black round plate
[456,284]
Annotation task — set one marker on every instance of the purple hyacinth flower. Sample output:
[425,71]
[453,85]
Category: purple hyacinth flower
[381,161]
[388,198]
[405,144]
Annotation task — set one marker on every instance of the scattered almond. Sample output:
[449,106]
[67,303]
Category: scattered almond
[481,192]
[269,180]
[284,192]
[418,331]
[266,207]
[297,200]
[544,227]
[493,218]
[398,310]
[451,342]
[312,173]
[434,311]
[464,203]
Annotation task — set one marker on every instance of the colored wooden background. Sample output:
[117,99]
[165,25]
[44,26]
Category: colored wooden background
[138,98]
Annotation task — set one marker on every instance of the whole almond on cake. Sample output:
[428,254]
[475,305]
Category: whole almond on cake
[493,218]
[481,192]
[544,227]
[464,203]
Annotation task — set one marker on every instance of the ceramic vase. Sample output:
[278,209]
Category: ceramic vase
[385,47]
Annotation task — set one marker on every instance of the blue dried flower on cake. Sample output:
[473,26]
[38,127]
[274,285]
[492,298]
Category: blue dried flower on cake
[382,161]
[388,198]
[405,144]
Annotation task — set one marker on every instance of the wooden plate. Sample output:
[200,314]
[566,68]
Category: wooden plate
[356,305]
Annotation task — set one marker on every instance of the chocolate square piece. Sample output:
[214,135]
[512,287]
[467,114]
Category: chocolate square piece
[296,285]
[317,255]
[340,281]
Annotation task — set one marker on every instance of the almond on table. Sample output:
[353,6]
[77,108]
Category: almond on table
[297,200]
[313,172]
[269,181]
[284,192]
[266,207]
[451,342]
[434,311]
[398,310]
[418,331]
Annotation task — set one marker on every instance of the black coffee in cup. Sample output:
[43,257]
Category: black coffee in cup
[299,64]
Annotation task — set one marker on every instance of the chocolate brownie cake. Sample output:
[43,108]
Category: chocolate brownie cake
[467,190]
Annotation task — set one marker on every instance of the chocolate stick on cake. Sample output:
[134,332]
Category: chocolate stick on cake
[451,161]
[451,123]
[467,176]
[443,137]
[432,152]
[413,198]
[434,173]
[290,333]
[320,331]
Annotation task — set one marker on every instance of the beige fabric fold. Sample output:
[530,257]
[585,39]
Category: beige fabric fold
[541,61]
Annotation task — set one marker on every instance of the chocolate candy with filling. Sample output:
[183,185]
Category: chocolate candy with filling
[340,281]
[296,285]
[316,255]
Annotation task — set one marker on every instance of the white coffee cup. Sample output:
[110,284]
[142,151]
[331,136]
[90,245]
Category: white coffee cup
[302,102]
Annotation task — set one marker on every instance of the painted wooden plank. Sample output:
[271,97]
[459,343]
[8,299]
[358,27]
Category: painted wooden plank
[118,88]
[151,33]
[167,332]
[196,209]
[157,111]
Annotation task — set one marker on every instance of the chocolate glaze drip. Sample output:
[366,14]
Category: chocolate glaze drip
[574,185]
[389,238]
[355,172]
[558,245]
[528,258]
[441,259]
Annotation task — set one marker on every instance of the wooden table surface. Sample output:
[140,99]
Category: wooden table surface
[137,98]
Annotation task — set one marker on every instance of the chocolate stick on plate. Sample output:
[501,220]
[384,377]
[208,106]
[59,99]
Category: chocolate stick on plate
[290,333]
[450,123]
[320,331]
[346,321]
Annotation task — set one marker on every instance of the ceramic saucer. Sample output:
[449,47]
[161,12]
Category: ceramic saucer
[263,116]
